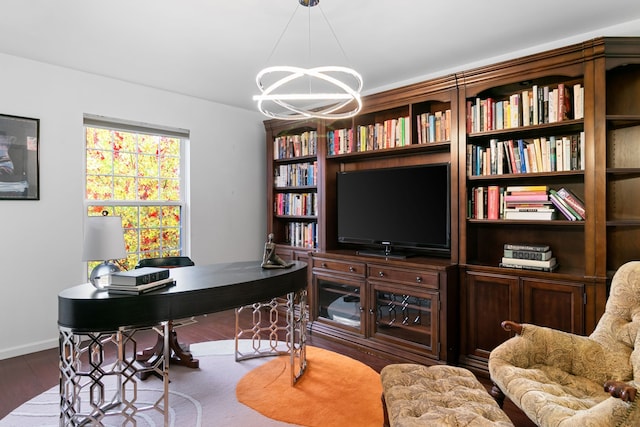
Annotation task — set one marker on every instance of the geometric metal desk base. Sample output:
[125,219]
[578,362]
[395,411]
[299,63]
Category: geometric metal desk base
[266,329]
[98,377]
[98,370]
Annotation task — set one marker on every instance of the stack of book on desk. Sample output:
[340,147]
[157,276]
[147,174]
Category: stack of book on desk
[528,257]
[139,281]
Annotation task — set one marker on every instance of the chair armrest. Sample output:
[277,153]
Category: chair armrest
[620,390]
[509,326]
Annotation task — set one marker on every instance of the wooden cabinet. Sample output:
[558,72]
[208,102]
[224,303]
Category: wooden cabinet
[490,297]
[600,128]
[400,308]
[604,175]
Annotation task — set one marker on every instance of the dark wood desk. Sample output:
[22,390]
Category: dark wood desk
[90,321]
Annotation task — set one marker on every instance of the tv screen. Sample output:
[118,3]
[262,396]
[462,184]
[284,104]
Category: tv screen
[406,207]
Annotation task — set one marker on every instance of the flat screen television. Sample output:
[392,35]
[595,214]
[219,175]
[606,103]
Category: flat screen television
[396,211]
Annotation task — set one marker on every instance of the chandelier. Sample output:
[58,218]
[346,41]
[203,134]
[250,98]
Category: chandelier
[297,93]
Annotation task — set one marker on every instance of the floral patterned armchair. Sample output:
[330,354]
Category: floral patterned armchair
[562,379]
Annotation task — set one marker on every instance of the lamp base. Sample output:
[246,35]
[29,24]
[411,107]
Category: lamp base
[99,275]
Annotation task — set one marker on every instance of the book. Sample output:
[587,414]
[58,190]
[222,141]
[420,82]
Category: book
[530,267]
[526,197]
[512,188]
[554,193]
[572,200]
[138,276]
[530,262]
[140,289]
[541,256]
[562,207]
[526,247]
[527,214]
[493,202]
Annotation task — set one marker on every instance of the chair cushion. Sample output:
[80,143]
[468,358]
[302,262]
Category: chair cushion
[417,395]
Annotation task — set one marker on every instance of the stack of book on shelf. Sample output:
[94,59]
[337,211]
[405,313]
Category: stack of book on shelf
[528,257]
[139,281]
[528,202]
[568,203]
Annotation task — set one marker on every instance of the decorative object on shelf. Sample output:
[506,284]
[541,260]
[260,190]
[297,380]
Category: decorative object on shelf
[19,158]
[287,92]
[270,259]
[103,241]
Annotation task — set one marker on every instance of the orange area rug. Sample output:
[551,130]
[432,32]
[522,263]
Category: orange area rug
[335,391]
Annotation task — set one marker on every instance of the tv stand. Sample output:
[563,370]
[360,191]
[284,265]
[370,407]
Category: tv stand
[403,310]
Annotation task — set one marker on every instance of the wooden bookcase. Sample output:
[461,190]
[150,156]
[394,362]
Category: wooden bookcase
[605,175]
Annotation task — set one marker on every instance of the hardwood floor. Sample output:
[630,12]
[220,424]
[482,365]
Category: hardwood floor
[24,377]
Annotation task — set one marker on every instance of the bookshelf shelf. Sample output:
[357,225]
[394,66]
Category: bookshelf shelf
[289,189]
[546,223]
[566,126]
[442,146]
[534,176]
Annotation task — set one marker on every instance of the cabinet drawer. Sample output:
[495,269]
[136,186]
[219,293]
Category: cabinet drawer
[355,268]
[428,279]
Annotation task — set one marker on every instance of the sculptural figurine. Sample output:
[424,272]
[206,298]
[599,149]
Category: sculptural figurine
[270,259]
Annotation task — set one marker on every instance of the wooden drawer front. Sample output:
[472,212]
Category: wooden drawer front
[355,268]
[428,279]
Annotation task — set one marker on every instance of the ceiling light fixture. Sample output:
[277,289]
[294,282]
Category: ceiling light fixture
[326,92]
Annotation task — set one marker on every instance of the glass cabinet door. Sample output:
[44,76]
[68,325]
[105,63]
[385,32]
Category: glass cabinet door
[340,302]
[405,316]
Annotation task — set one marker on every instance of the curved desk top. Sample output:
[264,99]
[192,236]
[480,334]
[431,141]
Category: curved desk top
[198,290]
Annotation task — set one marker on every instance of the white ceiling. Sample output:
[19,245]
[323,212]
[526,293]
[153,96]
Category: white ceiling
[213,49]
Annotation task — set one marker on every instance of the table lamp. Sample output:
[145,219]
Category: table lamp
[103,241]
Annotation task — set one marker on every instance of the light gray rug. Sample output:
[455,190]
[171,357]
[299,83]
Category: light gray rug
[202,397]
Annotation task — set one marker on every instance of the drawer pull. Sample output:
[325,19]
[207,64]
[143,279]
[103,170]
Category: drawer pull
[351,269]
[419,279]
[381,273]
[324,265]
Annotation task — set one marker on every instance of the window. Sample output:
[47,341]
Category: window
[138,173]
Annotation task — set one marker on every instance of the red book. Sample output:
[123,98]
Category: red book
[493,202]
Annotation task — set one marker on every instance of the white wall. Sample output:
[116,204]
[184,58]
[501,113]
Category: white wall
[40,241]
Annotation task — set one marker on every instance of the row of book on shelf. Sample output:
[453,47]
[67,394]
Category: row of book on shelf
[534,106]
[138,281]
[301,234]
[296,204]
[529,257]
[528,202]
[552,154]
[291,146]
[391,133]
[296,174]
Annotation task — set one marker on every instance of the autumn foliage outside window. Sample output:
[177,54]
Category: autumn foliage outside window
[137,176]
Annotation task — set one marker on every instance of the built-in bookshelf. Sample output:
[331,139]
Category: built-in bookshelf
[294,195]
[565,120]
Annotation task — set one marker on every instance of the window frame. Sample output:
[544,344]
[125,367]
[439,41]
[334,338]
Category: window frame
[95,121]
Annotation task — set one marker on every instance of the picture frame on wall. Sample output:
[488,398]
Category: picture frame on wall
[19,158]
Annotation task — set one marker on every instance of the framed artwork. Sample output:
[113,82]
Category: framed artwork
[19,158]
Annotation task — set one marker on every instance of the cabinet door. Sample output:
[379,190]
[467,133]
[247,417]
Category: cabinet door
[340,302]
[491,298]
[404,316]
[555,305]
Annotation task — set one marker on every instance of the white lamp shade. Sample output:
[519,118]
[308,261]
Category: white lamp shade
[103,239]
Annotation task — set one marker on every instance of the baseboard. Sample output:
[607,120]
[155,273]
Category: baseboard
[21,350]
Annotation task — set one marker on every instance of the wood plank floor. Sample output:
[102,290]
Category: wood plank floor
[24,377]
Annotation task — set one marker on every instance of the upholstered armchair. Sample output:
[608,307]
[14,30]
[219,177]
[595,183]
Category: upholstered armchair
[561,379]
